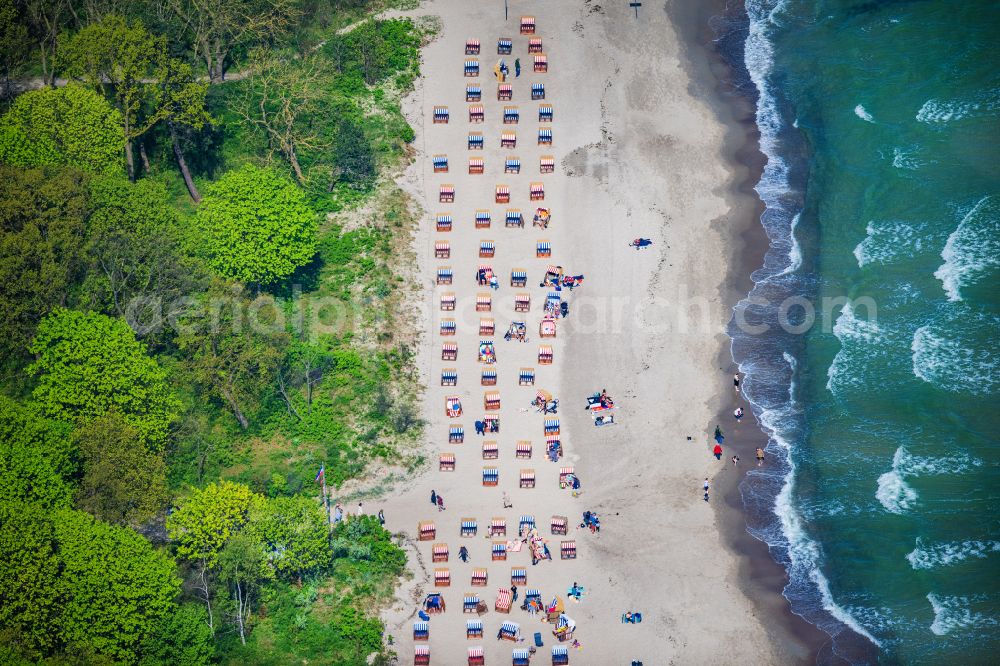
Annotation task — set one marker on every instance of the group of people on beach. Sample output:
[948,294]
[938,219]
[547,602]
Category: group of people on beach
[501,71]
[738,414]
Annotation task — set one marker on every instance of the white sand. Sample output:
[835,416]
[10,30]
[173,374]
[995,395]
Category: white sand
[637,155]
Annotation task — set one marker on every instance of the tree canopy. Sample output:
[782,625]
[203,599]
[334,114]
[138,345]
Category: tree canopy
[36,457]
[89,364]
[69,126]
[206,520]
[259,226]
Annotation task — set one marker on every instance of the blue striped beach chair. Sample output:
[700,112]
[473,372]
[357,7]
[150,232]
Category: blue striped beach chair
[499,550]
[456,435]
[444,275]
[551,426]
[475,141]
[520,657]
[512,165]
[474,628]
[545,113]
[469,527]
[483,219]
[440,163]
[543,249]
[473,93]
[504,46]
[518,576]
[537,91]
[449,377]
[560,655]
[511,115]
[514,218]
[443,222]
[469,604]
[525,522]
[488,377]
[544,137]
[447,327]
[509,631]
[487,248]
[491,476]
[518,277]
[441,115]
[471,68]
[526,377]
[421,631]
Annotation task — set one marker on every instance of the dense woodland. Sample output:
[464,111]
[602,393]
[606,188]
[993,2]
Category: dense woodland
[195,315]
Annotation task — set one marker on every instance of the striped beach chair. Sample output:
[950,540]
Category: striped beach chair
[441,115]
[499,550]
[471,68]
[545,113]
[564,473]
[446,193]
[537,91]
[498,526]
[491,400]
[440,163]
[520,657]
[484,302]
[512,165]
[559,525]
[442,577]
[442,249]
[487,249]
[537,191]
[567,550]
[421,631]
[449,351]
[490,451]
[526,377]
[553,447]
[476,655]
[526,523]
[543,248]
[456,435]
[545,355]
[476,165]
[551,426]
[479,577]
[522,302]
[446,462]
[508,140]
[448,301]
[444,275]
[473,93]
[469,527]
[491,476]
[443,222]
[488,377]
[472,47]
[546,164]
[469,604]
[477,113]
[527,478]
[447,327]
[503,601]
[426,530]
[560,655]
[474,628]
[541,63]
[449,377]
[518,576]
[535,45]
[527,25]
[504,46]
[544,137]
[483,218]
[509,631]
[487,327]
[421,655]
[523,449]
[514,218]
[439,552]
[518,277]
[475,141]
[505,92]
[492,422]
[511,115]
[502,194]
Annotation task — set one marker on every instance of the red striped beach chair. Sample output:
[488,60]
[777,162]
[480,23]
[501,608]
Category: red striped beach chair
[449,351]
[442,577]
[527,25]
[491,476]
[447,327]
[522,302]
[476,655]
[475,141]
[473,93]
[499,551]
[490,451]
[505,91]
[504,46]
[527,478]
[439,552]
[537,191]
[564,473]
[526,377]
[477,113]
[444,275]
[545,355]
[468,527]
[535,45]
[498,526]
[541,63]
[421,631]
[491,400]
[476,165]
[492,422]
[452,407]
[479,577]
[472,47]
[511,115]
[443,222]
[421,655]
[518,576]
[567,550]
[442,249]
[546,164]
[487,327]
[441,115]
[523,449]
[426,530]
[559,525]
[502,604]
[440,163]
[508,139]
[487,249]
[446,462]
[446,194]
[448,301]
[502,194]
[484,302]
[483,218]
[449,377]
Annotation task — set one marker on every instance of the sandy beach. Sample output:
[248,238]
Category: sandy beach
[638,153]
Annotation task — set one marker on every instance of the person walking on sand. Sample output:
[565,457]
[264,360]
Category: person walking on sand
[513,593]
[338,513]
[760,456]
[717,452]
[463,554]
[361,509]
[736,382]
[736,461]
[440,503]
[738,414]
[517,67]
[434,498]
[507,504]
[381,517]
[705,487]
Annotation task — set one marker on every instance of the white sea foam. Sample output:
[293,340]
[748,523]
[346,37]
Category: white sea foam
[860,112]
[973,249]
[855,336]
[886,241]
[945,554]
[941,357]
[953,613]
[937,111]
[906,159]
[896,495]
[794,250]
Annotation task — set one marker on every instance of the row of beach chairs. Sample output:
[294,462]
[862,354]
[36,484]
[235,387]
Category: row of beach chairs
[477,165]
[505,45]
[519,656]
[469,527]
[487,249]
[539,65]
[483,219]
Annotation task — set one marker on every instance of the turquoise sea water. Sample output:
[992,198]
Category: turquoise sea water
[881,121]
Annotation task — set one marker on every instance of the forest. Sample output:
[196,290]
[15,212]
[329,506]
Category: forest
[202,323]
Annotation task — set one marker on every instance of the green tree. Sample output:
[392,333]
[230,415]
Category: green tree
[182,638]
[36,457]
[42,226]
[123,481]
[295,535]
[353,155]
[242,566]
[70,126]
[115,589]
[89,364]
[203,524]
[259,227]
[15,46]
[119,57]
